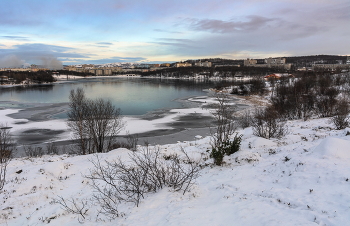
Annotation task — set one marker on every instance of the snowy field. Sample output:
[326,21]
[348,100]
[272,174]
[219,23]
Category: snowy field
[301,179]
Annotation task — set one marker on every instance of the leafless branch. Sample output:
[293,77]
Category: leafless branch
[116,181]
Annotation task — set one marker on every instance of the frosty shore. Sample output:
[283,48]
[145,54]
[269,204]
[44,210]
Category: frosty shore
[301,179]
[35,125]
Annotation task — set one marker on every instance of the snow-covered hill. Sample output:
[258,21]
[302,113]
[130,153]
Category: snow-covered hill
[301,179]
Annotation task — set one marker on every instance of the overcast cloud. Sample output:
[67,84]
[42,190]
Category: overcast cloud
[168,30]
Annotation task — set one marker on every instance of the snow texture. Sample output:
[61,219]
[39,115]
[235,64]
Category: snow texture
[300,179]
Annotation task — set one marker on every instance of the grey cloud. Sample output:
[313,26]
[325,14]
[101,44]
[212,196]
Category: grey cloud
[291,31]
[10,21]
[114,60]
[257,28]
[179,47]
[220,26]
[176,42]
[104,43]
[166,31]
[340,12]
[14,37]
[35,50]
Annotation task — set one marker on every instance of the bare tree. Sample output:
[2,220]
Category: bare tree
[245,120]
[33,151]
[132,140]
[103,122]
[341,117]
[6,149]
[223,114]
[268,124]
[51,149]
[221,142]
[95,123]
[76,119]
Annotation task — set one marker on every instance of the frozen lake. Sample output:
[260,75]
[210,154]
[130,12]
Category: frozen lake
[134,96]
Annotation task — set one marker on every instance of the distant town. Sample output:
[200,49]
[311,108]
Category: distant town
[211,67]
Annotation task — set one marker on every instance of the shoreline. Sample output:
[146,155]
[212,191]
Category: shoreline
[34,127]
[37,125]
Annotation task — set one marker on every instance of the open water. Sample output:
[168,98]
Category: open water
[134,96]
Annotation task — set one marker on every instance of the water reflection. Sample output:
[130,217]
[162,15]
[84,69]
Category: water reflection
[41,88]
[134,96]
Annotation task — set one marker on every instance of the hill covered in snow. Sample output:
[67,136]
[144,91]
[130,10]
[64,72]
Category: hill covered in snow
[300,179]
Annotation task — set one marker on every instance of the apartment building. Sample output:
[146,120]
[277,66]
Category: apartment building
[203,64]
[183,65]
[250,62]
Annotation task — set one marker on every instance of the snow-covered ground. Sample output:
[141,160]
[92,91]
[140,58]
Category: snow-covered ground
[300,179]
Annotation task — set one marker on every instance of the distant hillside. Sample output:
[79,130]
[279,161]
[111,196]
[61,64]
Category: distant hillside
[306,61]
[218,61]
[298,61]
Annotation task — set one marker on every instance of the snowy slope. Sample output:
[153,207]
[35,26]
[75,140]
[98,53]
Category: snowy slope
[301,179]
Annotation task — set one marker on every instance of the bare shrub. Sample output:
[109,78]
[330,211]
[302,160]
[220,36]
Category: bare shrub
[7,147]
[72,206]
[32,151]
[77,121]
[120,144]
[225,128]
[131,143]
[117,181]
[327,102]
[346,88]
[51,149]
[324,83]
[245,120]
[132,140]
[341,117]
[94,123]
[268,124]
[73,149]
[227,148]
[295,100]
[63,149]
[257,86]
[251,87]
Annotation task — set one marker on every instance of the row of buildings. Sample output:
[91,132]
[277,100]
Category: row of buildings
[115,68]
[269,62]
[281,63]
[110,69]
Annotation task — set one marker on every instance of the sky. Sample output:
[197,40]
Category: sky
[151,31]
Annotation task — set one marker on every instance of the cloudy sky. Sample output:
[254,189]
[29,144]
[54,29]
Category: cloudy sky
[105,31]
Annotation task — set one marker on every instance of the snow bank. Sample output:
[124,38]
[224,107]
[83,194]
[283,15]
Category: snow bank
[334,147]
[300,179]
